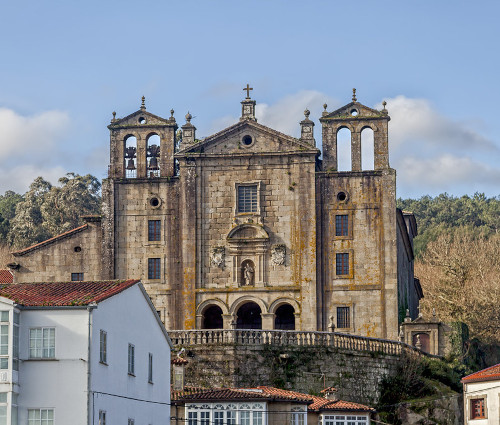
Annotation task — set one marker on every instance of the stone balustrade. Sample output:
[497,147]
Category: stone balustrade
[297,338]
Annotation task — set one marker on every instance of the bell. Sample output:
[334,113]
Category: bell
[130,164]
[153,163]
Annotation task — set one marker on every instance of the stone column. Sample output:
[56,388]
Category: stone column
[356,151]
[267,321]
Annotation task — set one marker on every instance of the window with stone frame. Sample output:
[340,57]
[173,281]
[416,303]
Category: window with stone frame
[343,317]
[342,264]
[247,198]
[342,225]
[154,227]
[76,277]
[154,268]
[477,408]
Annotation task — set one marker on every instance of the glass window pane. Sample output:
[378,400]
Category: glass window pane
[4,316]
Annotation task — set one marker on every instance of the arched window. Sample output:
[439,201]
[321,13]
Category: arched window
[130,156]
[367,149]
[212,318]
[153,155]
[285,318]
[344,150]
[249,316]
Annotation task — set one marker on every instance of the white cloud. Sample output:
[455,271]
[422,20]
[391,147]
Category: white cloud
[31,146]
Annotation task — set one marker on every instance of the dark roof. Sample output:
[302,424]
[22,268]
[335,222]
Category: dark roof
[491,373]
[6,276]
[58,294]
[51,240]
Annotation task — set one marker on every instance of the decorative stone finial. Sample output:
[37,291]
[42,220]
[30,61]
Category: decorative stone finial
[114,115]
[188,117]
[172,113]
[384,103]
[307,113]
[354,95]
[325,106]
[143,103]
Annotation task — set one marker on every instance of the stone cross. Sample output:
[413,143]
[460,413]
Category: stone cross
[247,89]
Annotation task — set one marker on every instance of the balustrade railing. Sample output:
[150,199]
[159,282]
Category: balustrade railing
[297,338]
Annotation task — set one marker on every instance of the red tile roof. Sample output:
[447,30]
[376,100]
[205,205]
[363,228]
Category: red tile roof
[178,361]
[269,394]
[51,240]
[6,276]
[491,373]
[57,294]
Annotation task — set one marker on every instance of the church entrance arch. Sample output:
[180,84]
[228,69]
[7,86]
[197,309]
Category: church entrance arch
[212,318]
[285,318]
[249,316]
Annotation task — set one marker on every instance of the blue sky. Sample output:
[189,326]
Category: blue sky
[66,65]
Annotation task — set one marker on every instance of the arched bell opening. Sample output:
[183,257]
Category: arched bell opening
[344,160]
[249,316]
[284,318]
[212,318]
[153,155]
[367,149]
[130,157]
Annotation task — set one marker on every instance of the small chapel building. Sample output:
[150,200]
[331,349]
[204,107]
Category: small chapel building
[248,228]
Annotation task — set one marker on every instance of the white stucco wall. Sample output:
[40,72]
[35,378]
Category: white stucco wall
[128,318]
[490,390]
[60,383]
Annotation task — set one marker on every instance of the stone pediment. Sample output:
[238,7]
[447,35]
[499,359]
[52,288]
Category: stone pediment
[248,136]
[141,119]
[247,232]
[354,110]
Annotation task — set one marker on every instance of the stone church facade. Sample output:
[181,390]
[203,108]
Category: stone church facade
[247,228]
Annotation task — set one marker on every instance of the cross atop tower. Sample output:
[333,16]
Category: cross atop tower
[247,89]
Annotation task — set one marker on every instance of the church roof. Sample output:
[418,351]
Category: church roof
[60,294]
[198,147]
[491,373]
[64,235]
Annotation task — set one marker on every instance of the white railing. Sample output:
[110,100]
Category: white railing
[297,338]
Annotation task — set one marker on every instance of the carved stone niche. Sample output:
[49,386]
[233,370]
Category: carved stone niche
[278,254]
[247,247]
[217,256]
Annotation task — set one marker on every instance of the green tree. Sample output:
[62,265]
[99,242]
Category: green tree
[8,203]
[47,210]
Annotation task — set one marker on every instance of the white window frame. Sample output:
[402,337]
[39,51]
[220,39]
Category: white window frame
[345,419]
[103,347]
[150,368]
[131,359]
[102,417]
[232,413]
[298,416]
[48,352]
[39,421]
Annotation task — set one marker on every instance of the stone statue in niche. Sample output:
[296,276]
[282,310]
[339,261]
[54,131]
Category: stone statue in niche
[217,256]
[278,255]
[248,273]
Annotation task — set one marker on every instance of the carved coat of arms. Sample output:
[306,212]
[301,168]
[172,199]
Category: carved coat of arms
[217,256]
[278,254]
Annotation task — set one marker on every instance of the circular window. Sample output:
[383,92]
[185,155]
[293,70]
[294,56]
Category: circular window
[142,120]
[247,140]
[77,249]
[154,202]
[341,196]
[354,112]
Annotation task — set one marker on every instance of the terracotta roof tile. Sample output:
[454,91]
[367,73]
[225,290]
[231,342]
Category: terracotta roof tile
[225,394]
[321,403]
[51,240]
[57,294]
[491,373]
[6,276]
[178,361]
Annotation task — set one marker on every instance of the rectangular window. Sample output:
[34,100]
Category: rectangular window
[76,277]
[4,346]
[3,408]
[131,421]
[247,199]
[153,230]
[150,368]
[192,418]
[204,418]
[102,417]
[257,418]
[42,343]
[15,346]
[477,408]
[219,417]
[341,225]
[131,359]
[40,416]
[342,264]
[4,316]
[103,349]
[230,417]
[343,317]
[345,420]
[154,268]
[245,417]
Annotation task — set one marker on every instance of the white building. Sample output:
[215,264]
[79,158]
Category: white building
[482,397]
[82,353]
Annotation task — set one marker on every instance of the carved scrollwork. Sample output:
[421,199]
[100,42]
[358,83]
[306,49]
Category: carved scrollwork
[217,256]
[278,254]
